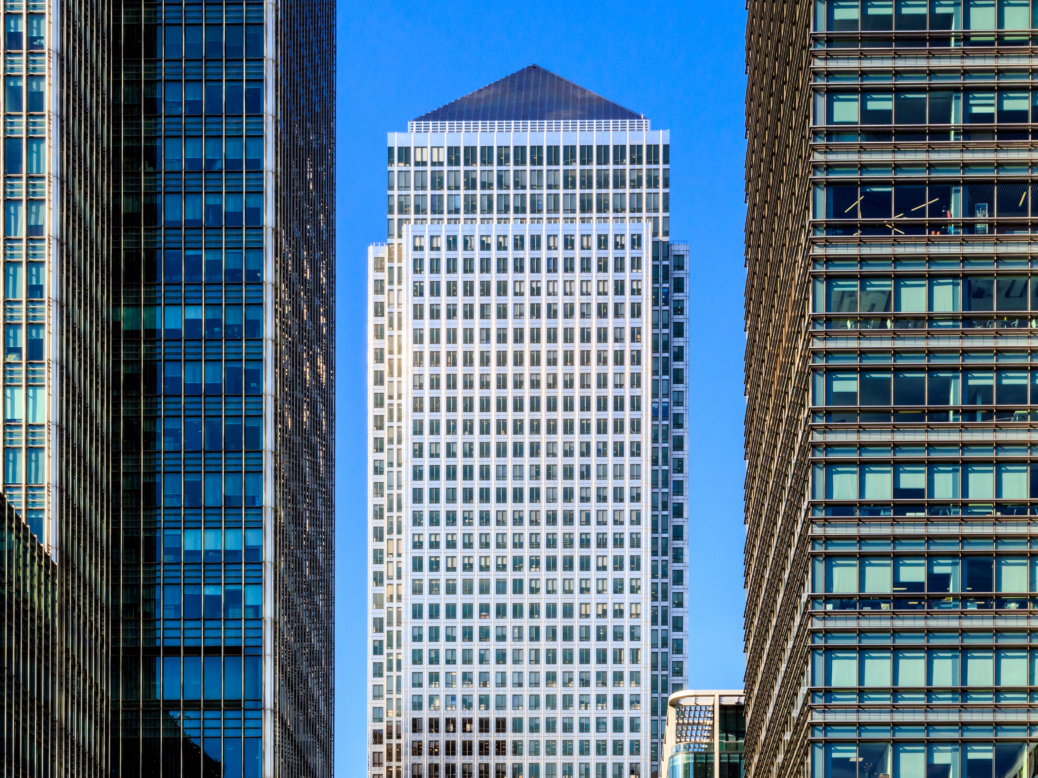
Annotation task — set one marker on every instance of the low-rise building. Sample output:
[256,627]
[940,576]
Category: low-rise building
[705,735]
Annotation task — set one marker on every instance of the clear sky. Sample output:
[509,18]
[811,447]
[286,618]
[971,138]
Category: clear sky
[681,65]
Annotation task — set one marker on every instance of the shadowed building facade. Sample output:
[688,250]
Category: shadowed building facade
[168,382]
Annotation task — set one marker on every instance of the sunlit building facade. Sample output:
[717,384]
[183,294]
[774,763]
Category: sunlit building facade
[167,383]
[526,492]
[705,735]
[890,309]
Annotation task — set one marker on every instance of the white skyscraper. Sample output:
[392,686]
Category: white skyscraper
[526,488]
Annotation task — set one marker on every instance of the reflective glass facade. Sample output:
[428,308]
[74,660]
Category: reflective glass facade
[27,610]
[519,521]
[168,380]
[190,399]
[889,313]
[222,506]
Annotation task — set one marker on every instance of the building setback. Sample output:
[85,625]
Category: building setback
[526,408]
[168,389]
[889,309]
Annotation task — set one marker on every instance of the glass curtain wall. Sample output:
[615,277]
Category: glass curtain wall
[188,586]
[913,283]
[669,496]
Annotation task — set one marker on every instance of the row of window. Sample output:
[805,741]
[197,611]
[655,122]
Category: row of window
[518,403]
[450,288]
[920,387]
[518,382]
[533,678]
[569,359]
[468,725]
[25,155]
[177,490]
[882,323]
[233,377]
[193,433]
[500,311]
[500,426]
[212,209]
[934,574]
[551,657]
[922,295]
[970,70]
[232,153]
[212,545]
[980,481]
[638,154]
[538,204]
[971,759]
[520,540]
[175,322]
[936,106]
[973,200]
[943,135]
[551,518]
[192,678]
[192,601]
[946,359]
[193,266]
[450,311]
[169,98]
[551,265]
[469,770]
[533,747]
[519,472]
[175,41]
[922,668]
[15,26]
[551,565]
[532,610]
[521,180]
[519,243]
[533,495]
[551,334]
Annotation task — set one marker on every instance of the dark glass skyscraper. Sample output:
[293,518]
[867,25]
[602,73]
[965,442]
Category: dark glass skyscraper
[168,384]
[891,309]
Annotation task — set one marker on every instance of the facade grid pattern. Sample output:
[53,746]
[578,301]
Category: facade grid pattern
[167,241]
[513,401]
[302,361]
[28,601]
[889,317]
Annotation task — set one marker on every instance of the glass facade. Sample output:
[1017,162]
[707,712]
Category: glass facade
[889,489]
[668,564]
[189,400]
[706,733]
[513,627]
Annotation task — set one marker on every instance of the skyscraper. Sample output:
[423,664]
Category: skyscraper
[526,346]
[890,311]
[168,387]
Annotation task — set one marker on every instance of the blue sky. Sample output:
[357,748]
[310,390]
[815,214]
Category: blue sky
[681,65]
